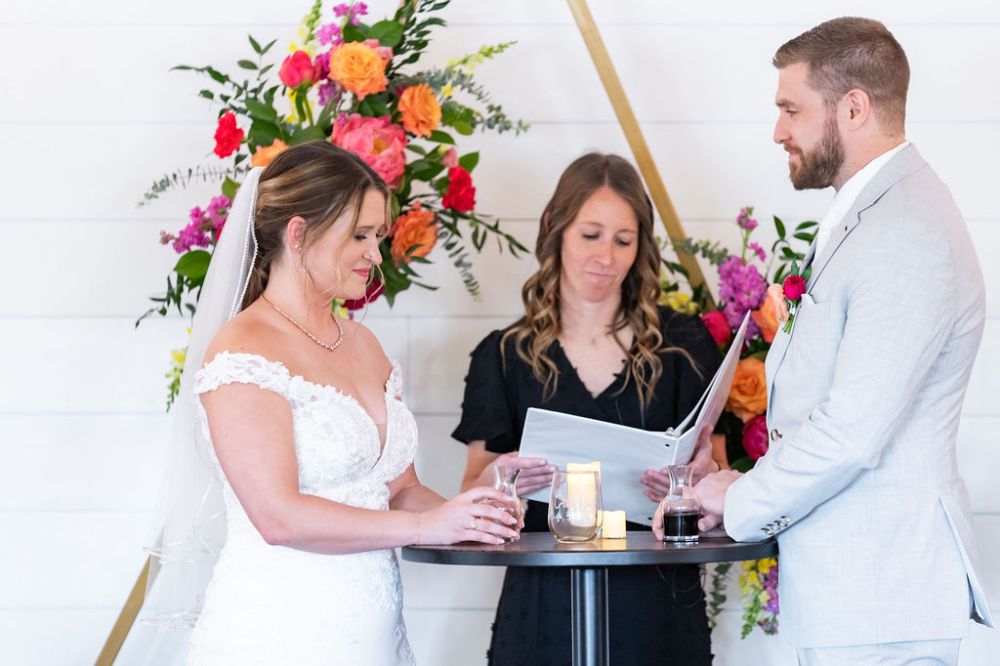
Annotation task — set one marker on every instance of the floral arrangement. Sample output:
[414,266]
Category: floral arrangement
[350,82]
[743,282]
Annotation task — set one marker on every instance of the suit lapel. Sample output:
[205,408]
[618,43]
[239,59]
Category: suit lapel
[901,165]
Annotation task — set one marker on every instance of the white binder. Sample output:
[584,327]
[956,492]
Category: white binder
[625,452]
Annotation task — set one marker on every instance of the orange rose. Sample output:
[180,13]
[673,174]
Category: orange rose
[420,109]
[764,318]
[748,394]
[416,227]
[263,156]
[358,68]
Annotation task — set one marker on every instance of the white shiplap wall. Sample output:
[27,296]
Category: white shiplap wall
[90,115]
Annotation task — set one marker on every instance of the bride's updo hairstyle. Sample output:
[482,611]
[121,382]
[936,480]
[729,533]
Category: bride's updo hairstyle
[316,181]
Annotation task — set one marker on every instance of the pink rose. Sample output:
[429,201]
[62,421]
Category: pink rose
[794,286]
[755,437]
[450,158]
[384,52]
[376,140]
[297,69]
[718,327]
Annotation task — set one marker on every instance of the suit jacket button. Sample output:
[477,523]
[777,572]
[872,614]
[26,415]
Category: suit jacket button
[775,434]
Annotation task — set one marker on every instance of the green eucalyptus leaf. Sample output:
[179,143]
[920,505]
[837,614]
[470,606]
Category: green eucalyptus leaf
[354,33]
[441,137]
[469,161]
[388,33]
[247,64]
[193,265]
[229,187]
[780,226]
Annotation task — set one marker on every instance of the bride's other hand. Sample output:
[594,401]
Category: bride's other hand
[471,516]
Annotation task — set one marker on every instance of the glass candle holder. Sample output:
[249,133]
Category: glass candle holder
[575,506]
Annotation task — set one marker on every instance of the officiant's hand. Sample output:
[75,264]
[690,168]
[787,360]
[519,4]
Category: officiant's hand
[536,473]
[657,482]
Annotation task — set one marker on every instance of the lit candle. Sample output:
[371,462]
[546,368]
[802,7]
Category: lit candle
[582,491]
[614,525]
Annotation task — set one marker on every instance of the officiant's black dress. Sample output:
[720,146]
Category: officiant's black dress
[657,613]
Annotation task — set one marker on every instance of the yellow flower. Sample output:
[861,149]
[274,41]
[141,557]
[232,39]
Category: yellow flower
[179,356]
[679,302]
[293,47]
[766,564]
[447,90]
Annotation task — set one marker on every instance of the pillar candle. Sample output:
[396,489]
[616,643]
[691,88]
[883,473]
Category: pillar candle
[614,525]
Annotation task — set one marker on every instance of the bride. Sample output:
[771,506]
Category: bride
[302,414]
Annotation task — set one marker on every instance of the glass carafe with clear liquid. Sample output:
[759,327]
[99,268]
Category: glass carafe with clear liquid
[680,513]
[505,480]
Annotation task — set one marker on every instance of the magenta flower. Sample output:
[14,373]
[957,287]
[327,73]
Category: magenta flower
[758,250]
[328,34]
[744,220]
[741,289]
[329,90]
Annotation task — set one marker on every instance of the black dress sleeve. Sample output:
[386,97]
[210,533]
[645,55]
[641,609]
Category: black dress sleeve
[690,334]
[486,414]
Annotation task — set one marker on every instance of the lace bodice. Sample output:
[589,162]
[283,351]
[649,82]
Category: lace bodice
[276,605]
[339,452]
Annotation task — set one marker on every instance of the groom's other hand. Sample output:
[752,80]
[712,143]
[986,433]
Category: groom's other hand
[711,494]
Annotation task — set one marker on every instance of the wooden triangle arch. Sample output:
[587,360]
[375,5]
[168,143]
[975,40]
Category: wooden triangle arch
[657,192]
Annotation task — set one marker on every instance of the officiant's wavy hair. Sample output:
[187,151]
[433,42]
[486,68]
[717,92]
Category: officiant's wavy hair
[316,181]
[847,53]
[640,289]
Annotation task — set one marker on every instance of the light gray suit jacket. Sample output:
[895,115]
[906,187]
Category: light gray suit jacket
[861,482]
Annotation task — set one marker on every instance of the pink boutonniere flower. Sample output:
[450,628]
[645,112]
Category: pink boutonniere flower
[793,287]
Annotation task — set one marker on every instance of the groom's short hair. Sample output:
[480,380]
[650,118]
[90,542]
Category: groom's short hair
[847,53]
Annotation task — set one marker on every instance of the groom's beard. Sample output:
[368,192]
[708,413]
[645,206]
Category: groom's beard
[818,168]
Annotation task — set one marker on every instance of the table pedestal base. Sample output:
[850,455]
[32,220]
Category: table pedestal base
[591,643]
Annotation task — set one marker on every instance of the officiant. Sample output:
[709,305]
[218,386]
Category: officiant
[594,343]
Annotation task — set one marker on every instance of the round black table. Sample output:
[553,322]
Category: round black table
[588,563]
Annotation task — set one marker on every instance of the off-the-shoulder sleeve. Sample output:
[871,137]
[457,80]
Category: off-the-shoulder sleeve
[227,368]
[485,410]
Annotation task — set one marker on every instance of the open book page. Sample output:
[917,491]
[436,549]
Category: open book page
[625,452]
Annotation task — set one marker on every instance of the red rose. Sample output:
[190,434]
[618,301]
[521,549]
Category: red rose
[755,437]
[461,195]
[718,327]
[374,290]
[794,286]
[227,135]
[297,69]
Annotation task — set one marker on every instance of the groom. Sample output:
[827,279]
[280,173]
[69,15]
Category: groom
[860,483]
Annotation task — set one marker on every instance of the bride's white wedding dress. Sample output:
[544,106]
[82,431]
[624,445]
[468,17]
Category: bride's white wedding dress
[276,605]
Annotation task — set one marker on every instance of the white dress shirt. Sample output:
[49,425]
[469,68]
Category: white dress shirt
[848,194]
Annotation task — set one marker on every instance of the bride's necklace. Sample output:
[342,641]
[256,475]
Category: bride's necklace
[324,345]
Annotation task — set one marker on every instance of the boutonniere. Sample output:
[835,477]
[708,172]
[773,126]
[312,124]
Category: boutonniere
[793,287]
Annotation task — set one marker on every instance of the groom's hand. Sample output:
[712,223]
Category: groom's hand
[711,494]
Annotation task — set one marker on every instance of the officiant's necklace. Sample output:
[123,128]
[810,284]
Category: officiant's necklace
[324,345]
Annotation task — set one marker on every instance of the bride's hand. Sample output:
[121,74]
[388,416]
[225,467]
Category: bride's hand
[471,516]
